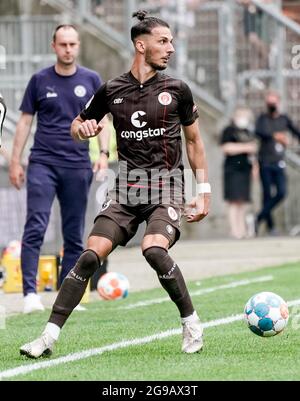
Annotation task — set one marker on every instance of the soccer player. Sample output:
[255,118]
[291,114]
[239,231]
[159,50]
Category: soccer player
[148,109]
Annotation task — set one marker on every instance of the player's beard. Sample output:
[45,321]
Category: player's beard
[155,66]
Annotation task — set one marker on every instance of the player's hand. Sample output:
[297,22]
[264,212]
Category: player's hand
[198,208]
[88,129]
[16,174]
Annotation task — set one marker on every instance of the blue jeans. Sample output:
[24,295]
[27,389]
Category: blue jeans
[274,185]
[71,186]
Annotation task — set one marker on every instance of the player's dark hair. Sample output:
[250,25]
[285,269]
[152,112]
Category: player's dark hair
[65,26]
[145,24]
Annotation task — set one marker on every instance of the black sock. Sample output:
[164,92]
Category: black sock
[170,278]
[73,287]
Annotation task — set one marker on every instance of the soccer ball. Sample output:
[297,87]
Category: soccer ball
[266,314]
[13,249]
[112,286]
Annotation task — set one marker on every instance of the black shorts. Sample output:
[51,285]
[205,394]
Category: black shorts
[119,223]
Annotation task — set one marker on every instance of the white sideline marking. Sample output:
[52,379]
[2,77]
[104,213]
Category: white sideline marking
[233,284]
[25,369]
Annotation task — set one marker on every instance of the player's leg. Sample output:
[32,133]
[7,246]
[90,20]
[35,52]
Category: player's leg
[159,236]
[72,194]
[106,235]
[41,189]
[69,296]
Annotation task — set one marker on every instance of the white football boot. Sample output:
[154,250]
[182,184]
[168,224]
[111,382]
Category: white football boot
[32,303]
[80,308]
[41,347]
[192,333]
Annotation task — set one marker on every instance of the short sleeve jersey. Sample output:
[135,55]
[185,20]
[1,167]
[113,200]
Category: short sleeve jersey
[240,161]
[57,100]
[147,118]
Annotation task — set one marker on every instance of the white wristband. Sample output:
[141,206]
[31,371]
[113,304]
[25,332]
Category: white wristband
[204,188]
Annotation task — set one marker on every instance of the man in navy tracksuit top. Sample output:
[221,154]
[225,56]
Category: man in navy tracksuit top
[58,166]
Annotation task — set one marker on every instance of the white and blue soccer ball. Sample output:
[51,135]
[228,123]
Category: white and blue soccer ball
[113,286]
[266,314]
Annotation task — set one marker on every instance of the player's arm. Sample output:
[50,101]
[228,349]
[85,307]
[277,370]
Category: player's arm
[102,163]
[89,123]
[16,171]
[82,130]
[197,159]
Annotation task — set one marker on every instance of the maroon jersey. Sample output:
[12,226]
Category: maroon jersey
[147,118]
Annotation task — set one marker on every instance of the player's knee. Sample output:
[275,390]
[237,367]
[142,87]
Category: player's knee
[100,245]
[87,264]
[155,256]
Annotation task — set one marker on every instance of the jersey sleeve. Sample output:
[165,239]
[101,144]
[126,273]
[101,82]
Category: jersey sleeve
[96,107]
[29,102]
[188,112]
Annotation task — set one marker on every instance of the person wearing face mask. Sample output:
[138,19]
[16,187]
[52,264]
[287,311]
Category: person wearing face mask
[239,147]
[272,130]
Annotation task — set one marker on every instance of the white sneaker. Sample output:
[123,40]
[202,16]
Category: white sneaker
[42,346]
[192,334]
[32,303]
[79,308]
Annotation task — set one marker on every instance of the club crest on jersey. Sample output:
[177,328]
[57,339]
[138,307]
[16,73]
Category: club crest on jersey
[173,214]
[80,91]
[165,98]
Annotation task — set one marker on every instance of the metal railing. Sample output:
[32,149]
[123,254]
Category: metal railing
[27,43]
[264,58]
[214,48]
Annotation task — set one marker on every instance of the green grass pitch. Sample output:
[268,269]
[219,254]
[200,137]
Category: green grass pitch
[231,351]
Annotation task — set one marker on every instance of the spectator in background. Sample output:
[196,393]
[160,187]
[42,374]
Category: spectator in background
[272,130]
[258,31]
[98,8]
[239,148]
[58,166]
